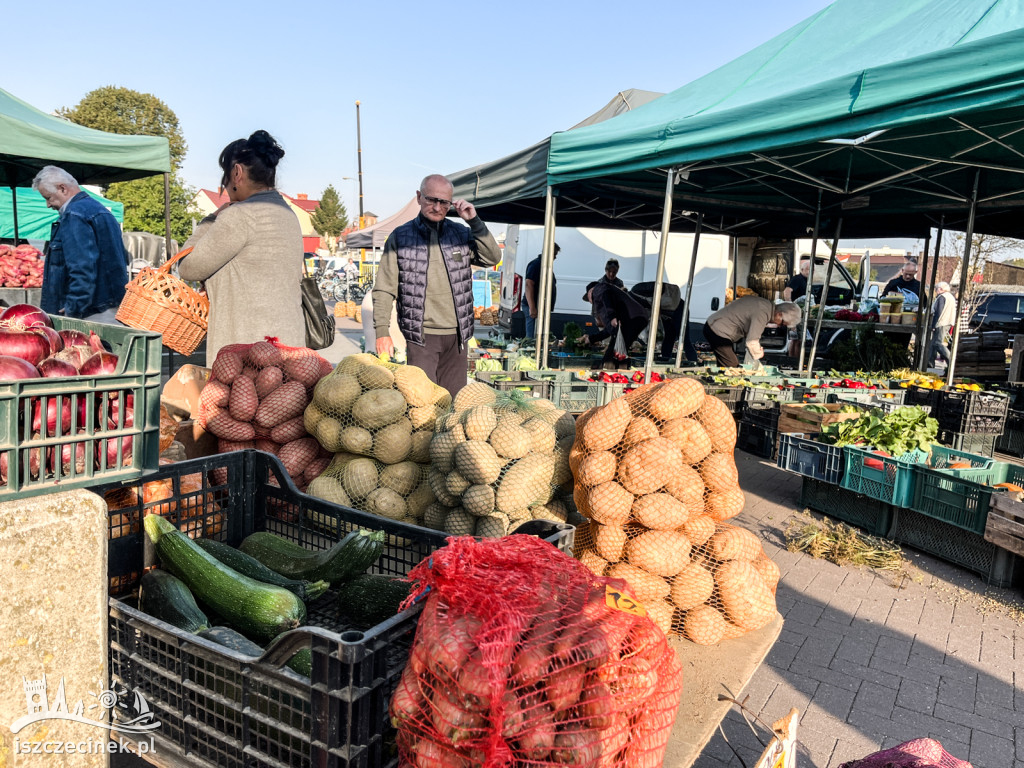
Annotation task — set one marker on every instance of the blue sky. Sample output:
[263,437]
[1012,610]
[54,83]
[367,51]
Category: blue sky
[442,86]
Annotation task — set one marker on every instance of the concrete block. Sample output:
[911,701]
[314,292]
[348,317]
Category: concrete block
[53,578]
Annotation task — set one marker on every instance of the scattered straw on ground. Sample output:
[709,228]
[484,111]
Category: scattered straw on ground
[841,544]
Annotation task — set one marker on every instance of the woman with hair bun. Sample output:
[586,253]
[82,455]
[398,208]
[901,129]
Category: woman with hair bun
[249,252]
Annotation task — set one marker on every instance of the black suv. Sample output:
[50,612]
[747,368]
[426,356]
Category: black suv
[1000,312]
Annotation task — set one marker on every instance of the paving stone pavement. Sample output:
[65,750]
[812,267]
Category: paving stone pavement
[871,661]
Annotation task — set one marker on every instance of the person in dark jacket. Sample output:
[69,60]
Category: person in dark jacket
[426,268]
[615,311]
[86,266]
[611,274]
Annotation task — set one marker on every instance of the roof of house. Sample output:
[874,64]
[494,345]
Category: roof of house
[302,201]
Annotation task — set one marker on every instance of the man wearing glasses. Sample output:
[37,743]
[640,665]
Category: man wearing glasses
[427,267]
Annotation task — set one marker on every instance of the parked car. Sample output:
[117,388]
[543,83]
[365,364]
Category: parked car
[1000,312]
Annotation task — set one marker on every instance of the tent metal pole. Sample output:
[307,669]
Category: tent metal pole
[824,295]
[540,327]
[934,277]
[14,212]
[809,290]
[968,241]
[689,288]
[548,262]
[167,216]
[666,223]
[923,308]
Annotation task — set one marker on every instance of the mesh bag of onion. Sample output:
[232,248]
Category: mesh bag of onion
[523,657]
[255,398]
[656,477]
[499,459]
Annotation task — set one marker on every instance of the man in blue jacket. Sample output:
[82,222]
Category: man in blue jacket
[86,266]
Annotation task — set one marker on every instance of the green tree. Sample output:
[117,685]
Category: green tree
[124,111]
[330,217]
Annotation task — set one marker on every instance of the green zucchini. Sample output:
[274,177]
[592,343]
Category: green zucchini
[257,609]
[307,591]
[301,662]
[166,597]
[348,558]
[371,598]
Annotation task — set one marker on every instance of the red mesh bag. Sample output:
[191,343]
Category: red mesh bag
[255,398]
[523,657]
[919,753]
[656,477]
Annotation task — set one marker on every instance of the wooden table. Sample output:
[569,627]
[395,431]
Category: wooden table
[707,672]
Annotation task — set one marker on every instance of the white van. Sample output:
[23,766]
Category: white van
[582,258]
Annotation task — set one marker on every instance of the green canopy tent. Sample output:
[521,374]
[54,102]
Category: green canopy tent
[34,218]
[31,139]
[879,118]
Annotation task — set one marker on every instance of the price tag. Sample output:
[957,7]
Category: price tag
[623,602]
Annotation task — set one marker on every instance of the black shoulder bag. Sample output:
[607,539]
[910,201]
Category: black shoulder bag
[320,324]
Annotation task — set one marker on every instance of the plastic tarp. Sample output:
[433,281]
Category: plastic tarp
[34,218]
[887,109]
[498,188]
[30,139]
[375,236]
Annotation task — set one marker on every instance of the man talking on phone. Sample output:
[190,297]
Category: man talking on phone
[427,268]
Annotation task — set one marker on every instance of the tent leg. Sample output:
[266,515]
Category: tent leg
[968,240]
[543,323]
[167,216]
[689,288]
[923,341]
[931,289]
[824,295]
[666,223]
[809,291]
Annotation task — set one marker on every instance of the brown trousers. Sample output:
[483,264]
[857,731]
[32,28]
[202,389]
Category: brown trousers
[442,360]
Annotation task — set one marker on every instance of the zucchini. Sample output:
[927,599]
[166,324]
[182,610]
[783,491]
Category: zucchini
[348,558]
[166,597]
[371,598]
[307,591]
[257,609]
[301,662]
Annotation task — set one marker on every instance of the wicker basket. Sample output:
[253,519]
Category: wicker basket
[158,301]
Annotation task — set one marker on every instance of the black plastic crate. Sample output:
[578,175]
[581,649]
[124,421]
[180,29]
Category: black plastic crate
[811,458]
[732,396]
[1011,442]
[218,707]
[769,395]
[871,515]
[761,414]
[977,424]
[970,551]
[966,403]
[756,440]
[979,444]
[922,396]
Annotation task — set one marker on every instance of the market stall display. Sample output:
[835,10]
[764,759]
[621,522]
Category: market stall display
[545,667]
[656,478]
[21,266]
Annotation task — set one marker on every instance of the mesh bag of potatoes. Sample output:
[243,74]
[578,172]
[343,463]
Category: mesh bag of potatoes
[499,459]
[656,477]
[371,408]
[255,398]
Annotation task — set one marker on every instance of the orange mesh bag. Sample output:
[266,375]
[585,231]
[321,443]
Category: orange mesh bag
[382,414]
[656,478]
[498,460]
[255,398]
[523,657]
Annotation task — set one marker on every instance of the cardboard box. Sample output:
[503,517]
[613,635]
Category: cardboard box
[794,417]
[181,392]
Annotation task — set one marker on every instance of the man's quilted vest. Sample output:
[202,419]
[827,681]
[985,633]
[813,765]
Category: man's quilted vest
[412,241]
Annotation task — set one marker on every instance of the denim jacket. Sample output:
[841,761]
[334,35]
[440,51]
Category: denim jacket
[86,267]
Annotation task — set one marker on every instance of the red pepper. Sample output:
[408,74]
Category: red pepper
[874,464]
[638,377]
[606,377]
[655,376]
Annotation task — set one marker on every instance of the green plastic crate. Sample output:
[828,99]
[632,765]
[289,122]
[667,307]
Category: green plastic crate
[515,380]
[569,391]
[961,497]
[886,478]
[41,462]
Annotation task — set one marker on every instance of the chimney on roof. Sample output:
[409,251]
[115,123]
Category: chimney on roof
[302,196]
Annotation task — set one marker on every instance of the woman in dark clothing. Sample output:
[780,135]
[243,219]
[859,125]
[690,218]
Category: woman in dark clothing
[615,310]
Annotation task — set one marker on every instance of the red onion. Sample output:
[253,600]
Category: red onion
[74,338]
[12,368]
[25,344]
[65,459]
[56,342]
[106,455]
[96,342]
[55,368]
[27,314]
[74,356]
[99,364]
[52,409]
